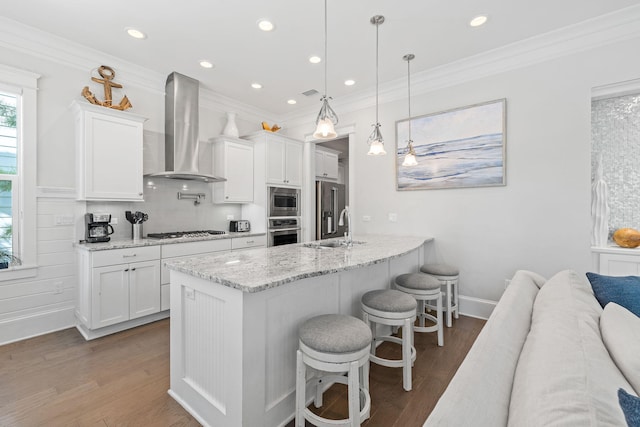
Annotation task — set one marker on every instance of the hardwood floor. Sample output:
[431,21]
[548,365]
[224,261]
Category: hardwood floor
[60,379]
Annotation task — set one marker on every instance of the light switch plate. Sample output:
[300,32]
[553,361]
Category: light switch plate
[393,217]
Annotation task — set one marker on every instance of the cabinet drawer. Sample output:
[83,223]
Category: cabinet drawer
[194,248]
[124,256]
[248,242]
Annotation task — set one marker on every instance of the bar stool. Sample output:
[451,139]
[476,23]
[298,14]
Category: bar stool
[448,276]
[424,288]
[392,308]
[333,344]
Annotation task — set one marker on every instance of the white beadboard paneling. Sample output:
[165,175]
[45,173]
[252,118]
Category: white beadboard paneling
[55,233]
[54,246]
[14,306]
[56,258]
[33,287]
[204,364]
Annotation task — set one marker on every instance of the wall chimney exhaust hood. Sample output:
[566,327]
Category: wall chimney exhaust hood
[181,125]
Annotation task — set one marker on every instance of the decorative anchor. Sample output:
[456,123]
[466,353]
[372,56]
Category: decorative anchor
[107,75]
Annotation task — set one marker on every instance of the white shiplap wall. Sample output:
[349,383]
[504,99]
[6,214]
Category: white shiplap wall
[46,302]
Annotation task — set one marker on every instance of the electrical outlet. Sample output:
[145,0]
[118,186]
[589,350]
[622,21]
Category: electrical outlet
[114,221]
[506,283]
[230,217]
[189,293]
[63,220]
[393,217]
[58,287]
[366,218]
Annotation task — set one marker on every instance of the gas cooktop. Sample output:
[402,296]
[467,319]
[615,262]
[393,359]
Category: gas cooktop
[176,234]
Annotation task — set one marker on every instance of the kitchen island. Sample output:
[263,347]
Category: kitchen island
[235,317]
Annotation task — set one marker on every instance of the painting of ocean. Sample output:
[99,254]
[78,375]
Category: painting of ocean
[464,147]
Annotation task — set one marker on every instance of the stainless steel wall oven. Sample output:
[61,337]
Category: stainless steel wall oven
[283,231]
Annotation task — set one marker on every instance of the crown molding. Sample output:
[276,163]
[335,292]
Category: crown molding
[614,27]
[629,87]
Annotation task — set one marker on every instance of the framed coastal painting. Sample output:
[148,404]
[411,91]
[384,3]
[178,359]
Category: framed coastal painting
[463,147]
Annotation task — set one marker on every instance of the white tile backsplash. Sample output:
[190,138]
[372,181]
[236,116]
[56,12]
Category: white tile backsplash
[166,212]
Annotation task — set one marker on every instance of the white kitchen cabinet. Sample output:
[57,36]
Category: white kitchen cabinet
[108,153]
[125,291]
[326,164]
[248,242]
[284,161]
[233,160]
[117,289]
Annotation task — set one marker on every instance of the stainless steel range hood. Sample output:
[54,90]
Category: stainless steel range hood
[181,123]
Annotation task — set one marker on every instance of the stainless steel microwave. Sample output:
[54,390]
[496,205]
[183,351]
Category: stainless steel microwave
[284,201]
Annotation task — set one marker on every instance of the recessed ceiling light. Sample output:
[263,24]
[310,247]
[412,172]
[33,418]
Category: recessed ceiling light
[206,64]
[315,59]
[256,85]
[266,25]
[135,33]
[478,21]
[349,82]
[292,102]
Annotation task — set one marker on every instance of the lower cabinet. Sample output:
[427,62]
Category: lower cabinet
[125,291]
[117,285]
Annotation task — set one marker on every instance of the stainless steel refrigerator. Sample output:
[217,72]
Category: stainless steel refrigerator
[330,200]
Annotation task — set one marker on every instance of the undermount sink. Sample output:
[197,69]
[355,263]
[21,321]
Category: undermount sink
[330,244]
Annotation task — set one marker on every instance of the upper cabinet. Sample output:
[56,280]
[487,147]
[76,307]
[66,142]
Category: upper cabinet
[108,153]
[326,164]
[233,160]
[284,161]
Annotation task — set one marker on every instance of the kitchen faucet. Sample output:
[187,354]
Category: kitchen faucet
[348,238]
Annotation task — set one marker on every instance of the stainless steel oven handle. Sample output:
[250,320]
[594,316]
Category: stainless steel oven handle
[271,230]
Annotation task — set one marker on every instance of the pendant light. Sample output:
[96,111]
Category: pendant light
[410,157]
[327,118]
[375,141]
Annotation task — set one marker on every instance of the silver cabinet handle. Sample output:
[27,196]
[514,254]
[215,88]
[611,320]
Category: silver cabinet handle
[249,241]
[129,256]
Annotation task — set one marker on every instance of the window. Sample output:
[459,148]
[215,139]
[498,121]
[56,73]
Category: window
[9,179]
[18,163]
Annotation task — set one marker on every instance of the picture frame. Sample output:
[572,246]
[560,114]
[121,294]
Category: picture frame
[458,148]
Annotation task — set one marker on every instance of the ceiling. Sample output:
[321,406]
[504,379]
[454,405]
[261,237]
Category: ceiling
[225,32]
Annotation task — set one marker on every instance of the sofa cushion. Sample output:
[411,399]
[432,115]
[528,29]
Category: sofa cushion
[621,290]
[565,375]
[631,408]
[620,330]
[478,394]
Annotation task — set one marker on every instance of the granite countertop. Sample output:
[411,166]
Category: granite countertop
[255,270]
[130,243]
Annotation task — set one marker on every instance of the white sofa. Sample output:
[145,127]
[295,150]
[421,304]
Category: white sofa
[539,361]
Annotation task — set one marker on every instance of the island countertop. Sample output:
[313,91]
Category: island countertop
[255,270]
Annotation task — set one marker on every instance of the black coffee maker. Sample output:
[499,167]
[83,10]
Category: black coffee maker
[97,228]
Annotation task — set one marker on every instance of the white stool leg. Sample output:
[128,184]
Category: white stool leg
[301,388]
[421,310]
[440,321]
[354,394]
[449,296]
[372,326]
[455,299]
[406,355]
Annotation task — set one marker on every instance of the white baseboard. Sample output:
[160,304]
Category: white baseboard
[90,334]
[476,307]
[22,328]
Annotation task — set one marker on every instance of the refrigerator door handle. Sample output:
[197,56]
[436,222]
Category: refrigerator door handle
[334,206]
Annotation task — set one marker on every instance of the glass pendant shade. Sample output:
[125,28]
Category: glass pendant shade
[376,142]
[326,121]
[410,157]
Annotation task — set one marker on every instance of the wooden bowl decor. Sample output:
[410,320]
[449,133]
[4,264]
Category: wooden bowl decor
[107,74]
[274,128]
[627,237]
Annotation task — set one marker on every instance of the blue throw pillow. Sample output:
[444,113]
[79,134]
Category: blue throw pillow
[624,291]
[631,407]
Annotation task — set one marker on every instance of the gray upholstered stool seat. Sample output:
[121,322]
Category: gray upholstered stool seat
[424,288]
[392,308]
[448,276]
[333,344]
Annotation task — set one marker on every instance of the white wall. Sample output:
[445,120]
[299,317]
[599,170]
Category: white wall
[540,220]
